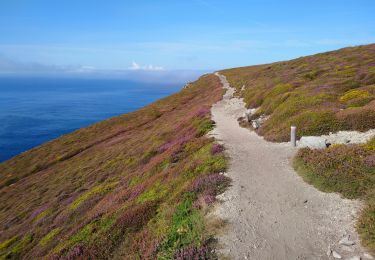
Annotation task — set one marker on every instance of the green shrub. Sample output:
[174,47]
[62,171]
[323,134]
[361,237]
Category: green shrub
[370,145]
[5,244]
[101,189]
[186,229]
[47,238]
[155,192]
[203,126]
[355,94]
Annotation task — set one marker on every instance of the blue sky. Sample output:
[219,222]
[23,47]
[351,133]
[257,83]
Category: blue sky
[115,36]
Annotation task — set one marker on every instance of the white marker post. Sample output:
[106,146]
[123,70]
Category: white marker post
[293,136]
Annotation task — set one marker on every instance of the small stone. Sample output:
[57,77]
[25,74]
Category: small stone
[346,241]
[336,255]
[329,251]
[255,124]
[367,256]
[305,201]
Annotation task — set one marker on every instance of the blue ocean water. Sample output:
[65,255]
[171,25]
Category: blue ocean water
[36,110]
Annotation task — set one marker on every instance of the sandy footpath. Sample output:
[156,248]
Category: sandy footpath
[271,212]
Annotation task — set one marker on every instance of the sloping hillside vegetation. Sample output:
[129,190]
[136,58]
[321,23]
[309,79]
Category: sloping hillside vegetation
[135,186]
[321,93]
[349,170]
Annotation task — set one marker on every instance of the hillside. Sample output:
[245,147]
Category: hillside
[138,186]
[133,186]
[320,93]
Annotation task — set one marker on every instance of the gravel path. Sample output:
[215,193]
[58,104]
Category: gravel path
[271,212]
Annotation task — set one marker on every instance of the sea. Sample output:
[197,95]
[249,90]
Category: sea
[37,110]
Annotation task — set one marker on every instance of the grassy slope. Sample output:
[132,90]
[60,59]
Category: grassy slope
[320,93]
[133,186]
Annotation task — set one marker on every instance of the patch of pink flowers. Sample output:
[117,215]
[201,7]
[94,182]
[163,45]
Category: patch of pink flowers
[211,184]
[193,253]
[370,161]
[217,148]
[203,112]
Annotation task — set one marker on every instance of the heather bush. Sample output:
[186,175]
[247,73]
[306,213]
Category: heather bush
[203,126]
[194,253]
[36,213]
[217,148]
[98,190]
[323,84]
[349,170]
[212,184]
[370,160]
[143,245]
[116,188]
[359,118]
[203,112]
[136,216]
[47,238]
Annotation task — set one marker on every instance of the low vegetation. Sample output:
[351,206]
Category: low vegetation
[349,170]
[135,186]
[319,94]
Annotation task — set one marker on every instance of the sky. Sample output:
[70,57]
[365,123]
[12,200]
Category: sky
[165,37]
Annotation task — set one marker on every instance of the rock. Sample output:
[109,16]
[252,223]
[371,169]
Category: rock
[305,201]
[350,137]
[252,110]
[367,256]
[336,255]
[329,251]
[247,116]
[346,241]
[314,142]
[255,124]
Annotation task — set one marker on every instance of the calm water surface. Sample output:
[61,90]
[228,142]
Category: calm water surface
[36,110]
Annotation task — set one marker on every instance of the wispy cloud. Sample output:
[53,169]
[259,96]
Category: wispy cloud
[136,72]
[136,66]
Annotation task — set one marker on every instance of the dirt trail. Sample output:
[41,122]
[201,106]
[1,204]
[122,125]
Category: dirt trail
[271,212]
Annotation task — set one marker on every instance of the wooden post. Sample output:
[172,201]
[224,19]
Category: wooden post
[293,136]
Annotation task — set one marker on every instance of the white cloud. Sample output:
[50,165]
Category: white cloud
[136,66]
